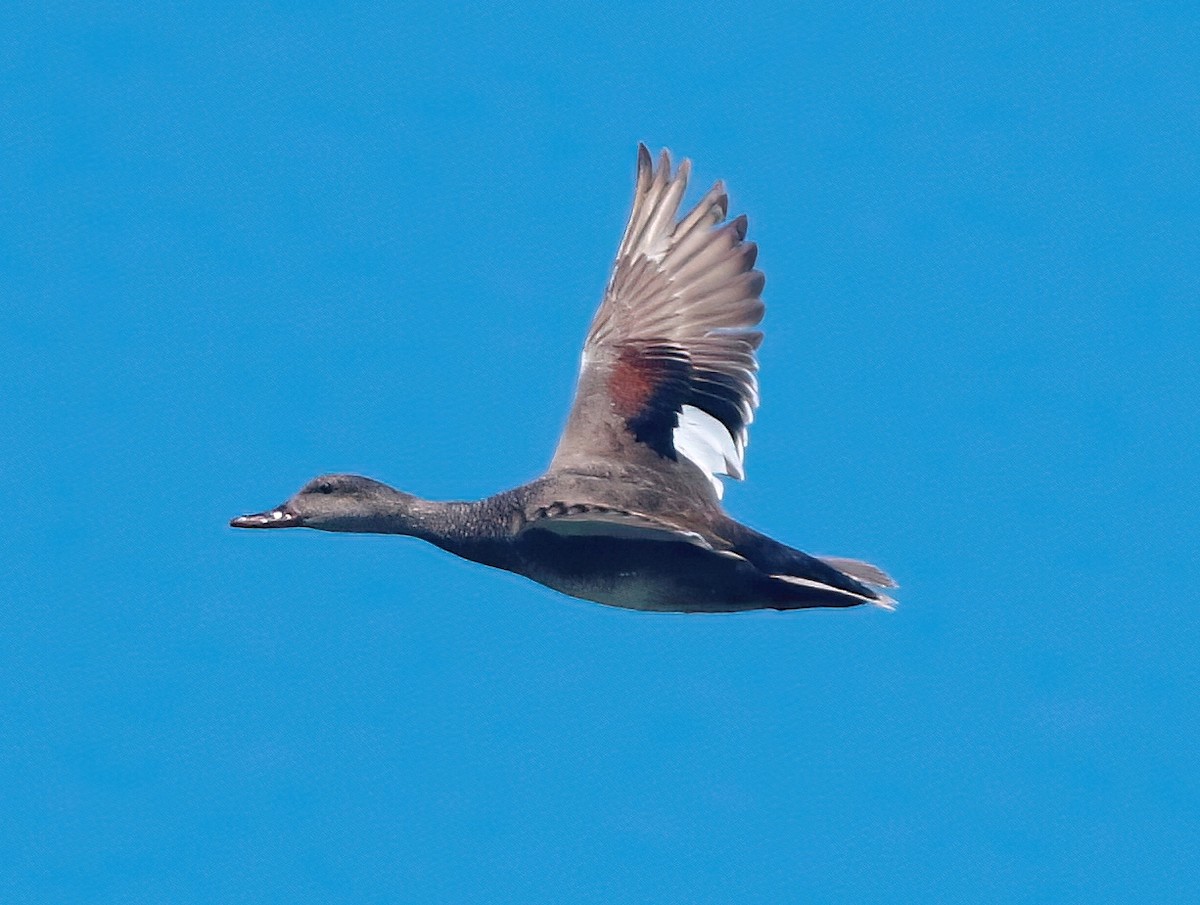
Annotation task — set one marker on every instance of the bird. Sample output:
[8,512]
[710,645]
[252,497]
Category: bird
[629,511]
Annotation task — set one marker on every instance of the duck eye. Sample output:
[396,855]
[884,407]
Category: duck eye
[325,487]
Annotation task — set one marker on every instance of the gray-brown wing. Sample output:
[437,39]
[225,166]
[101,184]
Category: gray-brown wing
[669,367]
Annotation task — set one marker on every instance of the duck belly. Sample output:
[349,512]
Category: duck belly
[658,576]
[629,590]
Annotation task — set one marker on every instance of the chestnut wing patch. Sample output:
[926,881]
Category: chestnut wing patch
[649,385]
[651,382]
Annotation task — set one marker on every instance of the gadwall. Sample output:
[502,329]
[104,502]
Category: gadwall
[629,512]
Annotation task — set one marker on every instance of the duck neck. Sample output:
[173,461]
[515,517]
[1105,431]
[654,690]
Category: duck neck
[473,529]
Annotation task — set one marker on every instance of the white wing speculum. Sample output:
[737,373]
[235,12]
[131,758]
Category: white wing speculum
[706,442]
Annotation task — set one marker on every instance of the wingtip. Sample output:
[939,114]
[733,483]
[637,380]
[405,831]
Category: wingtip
[884,602]
[740,225]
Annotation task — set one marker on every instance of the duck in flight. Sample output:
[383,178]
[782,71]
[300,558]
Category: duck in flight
[629,512]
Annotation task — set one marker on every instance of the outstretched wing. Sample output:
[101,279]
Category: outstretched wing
[669,369]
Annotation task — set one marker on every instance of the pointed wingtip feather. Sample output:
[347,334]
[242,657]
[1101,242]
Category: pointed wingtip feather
[883,601]
[740,224]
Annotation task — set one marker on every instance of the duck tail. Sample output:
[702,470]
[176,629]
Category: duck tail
[844,582]
[866,572]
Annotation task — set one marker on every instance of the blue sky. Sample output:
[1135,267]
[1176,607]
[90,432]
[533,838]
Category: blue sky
[241,247]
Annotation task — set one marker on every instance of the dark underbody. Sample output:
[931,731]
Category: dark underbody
[661,576]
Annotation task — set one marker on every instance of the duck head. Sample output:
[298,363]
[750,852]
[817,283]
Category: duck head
[336,502]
